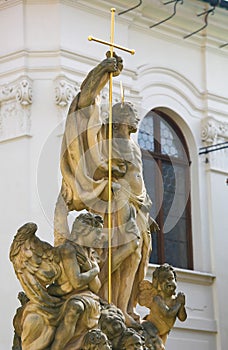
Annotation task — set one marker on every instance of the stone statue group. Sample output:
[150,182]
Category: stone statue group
[64,304]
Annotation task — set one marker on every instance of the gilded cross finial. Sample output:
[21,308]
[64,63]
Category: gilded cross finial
[111,44]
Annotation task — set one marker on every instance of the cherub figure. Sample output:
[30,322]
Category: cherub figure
[95,339]
[165,306]
[131,340]
[112,323]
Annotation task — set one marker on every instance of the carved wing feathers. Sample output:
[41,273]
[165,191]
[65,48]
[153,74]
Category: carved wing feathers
[35,262]
[146,293]
[27,250]
[25,232]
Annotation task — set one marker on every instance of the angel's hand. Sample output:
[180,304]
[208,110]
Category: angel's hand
[181,298]
[67,193]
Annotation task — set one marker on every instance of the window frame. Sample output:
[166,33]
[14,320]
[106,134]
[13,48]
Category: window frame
[160,158]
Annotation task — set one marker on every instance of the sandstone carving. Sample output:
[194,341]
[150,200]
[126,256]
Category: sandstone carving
[65,305]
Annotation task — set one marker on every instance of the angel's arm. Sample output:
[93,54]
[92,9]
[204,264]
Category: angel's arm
[34,290]
[95,284]
[182,314]
[164,309]
[97,79]
[77,278]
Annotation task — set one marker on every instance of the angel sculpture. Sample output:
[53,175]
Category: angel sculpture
[165,306]
[60,283]
[36,264]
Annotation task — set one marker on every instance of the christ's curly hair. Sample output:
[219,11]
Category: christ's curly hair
[125,113]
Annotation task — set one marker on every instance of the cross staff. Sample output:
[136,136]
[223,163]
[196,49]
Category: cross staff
[111,44]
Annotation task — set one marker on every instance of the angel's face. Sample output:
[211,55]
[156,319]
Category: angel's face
[134,343]
[113,327]
[104,344]
[97,342]
[93,236]
[168,283]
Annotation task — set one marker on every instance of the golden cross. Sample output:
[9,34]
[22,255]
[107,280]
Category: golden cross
[111,44]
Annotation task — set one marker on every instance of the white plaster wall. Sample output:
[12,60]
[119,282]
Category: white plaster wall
[14,205]
[48,39]
[15,33]
[218,190]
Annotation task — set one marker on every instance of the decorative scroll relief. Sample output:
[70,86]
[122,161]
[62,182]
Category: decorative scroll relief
[15,109]
[214,131]
[65,91]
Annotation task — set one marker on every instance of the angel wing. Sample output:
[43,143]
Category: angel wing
[146,293]
[36,263]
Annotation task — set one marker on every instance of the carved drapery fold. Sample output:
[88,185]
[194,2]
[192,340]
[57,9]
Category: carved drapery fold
[15,108]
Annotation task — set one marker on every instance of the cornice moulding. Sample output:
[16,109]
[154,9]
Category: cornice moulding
[148,70]
[9,3]
[189,276]
[150,12]
[51,62]
[166,82]
[197,324]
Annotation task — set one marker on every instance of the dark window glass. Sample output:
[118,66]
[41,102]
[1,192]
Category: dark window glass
[166,175]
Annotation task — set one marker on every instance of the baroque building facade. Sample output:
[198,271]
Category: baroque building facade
[175,79]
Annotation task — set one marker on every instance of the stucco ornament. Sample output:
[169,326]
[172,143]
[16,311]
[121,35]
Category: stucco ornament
[214,131]
[15,108]
[65,91]
[24,93]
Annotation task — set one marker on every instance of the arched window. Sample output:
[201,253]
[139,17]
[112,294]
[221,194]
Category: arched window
[166,175]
